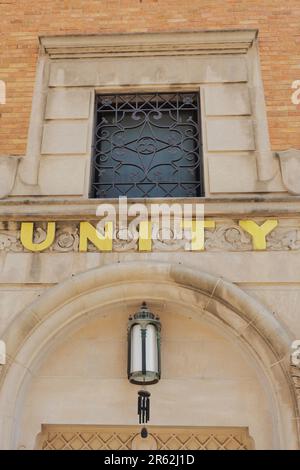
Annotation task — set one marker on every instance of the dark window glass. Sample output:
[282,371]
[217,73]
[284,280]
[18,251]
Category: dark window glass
[147,145]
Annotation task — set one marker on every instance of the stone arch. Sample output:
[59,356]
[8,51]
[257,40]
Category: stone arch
[31,332]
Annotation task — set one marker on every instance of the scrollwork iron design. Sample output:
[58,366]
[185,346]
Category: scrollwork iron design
[147,145]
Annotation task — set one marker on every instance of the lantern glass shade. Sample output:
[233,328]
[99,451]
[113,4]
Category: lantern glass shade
[144,351]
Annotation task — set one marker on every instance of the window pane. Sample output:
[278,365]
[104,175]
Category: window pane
[147,146]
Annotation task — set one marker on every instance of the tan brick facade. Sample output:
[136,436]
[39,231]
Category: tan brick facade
[22,21]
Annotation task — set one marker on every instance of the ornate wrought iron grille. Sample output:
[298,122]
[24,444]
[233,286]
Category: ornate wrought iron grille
[147,145]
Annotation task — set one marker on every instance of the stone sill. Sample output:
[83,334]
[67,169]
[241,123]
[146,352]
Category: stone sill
[84,209]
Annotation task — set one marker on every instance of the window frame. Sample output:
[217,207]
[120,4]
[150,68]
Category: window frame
[140,62]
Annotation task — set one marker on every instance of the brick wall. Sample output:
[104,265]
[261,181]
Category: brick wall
[21,21]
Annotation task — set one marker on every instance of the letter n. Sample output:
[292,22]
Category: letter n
[89,233]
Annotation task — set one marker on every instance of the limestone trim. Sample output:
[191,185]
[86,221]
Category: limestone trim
[265,158]
[154,44]
[31,209]
[290,170]
[226,235]
[29,167]
[32,331]
[86,437]
[8,172]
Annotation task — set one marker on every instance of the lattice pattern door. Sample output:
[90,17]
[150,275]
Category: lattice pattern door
[60,437]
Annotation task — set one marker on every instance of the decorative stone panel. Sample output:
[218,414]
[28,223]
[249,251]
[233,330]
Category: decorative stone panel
[62,175]
[65,137]
[68,104]
[290,169]
[229,100]
[227,236]
[229,134]
[56,437]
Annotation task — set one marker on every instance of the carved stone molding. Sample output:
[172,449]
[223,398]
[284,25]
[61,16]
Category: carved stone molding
[154,44]
[89,437]
[79,209]
[290,169]
[227,236]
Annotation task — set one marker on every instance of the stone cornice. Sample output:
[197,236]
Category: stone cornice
[152,44]
[85,209]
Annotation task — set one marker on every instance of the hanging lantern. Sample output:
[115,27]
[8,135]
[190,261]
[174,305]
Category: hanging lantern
[144,347]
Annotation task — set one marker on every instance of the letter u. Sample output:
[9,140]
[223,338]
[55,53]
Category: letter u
[27,237]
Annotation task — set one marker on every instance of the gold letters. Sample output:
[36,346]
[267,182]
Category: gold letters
[258,232]
[87,232]
[197,231]
[27,237]
[145,236]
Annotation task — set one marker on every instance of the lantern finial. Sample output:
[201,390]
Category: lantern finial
[144,406]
